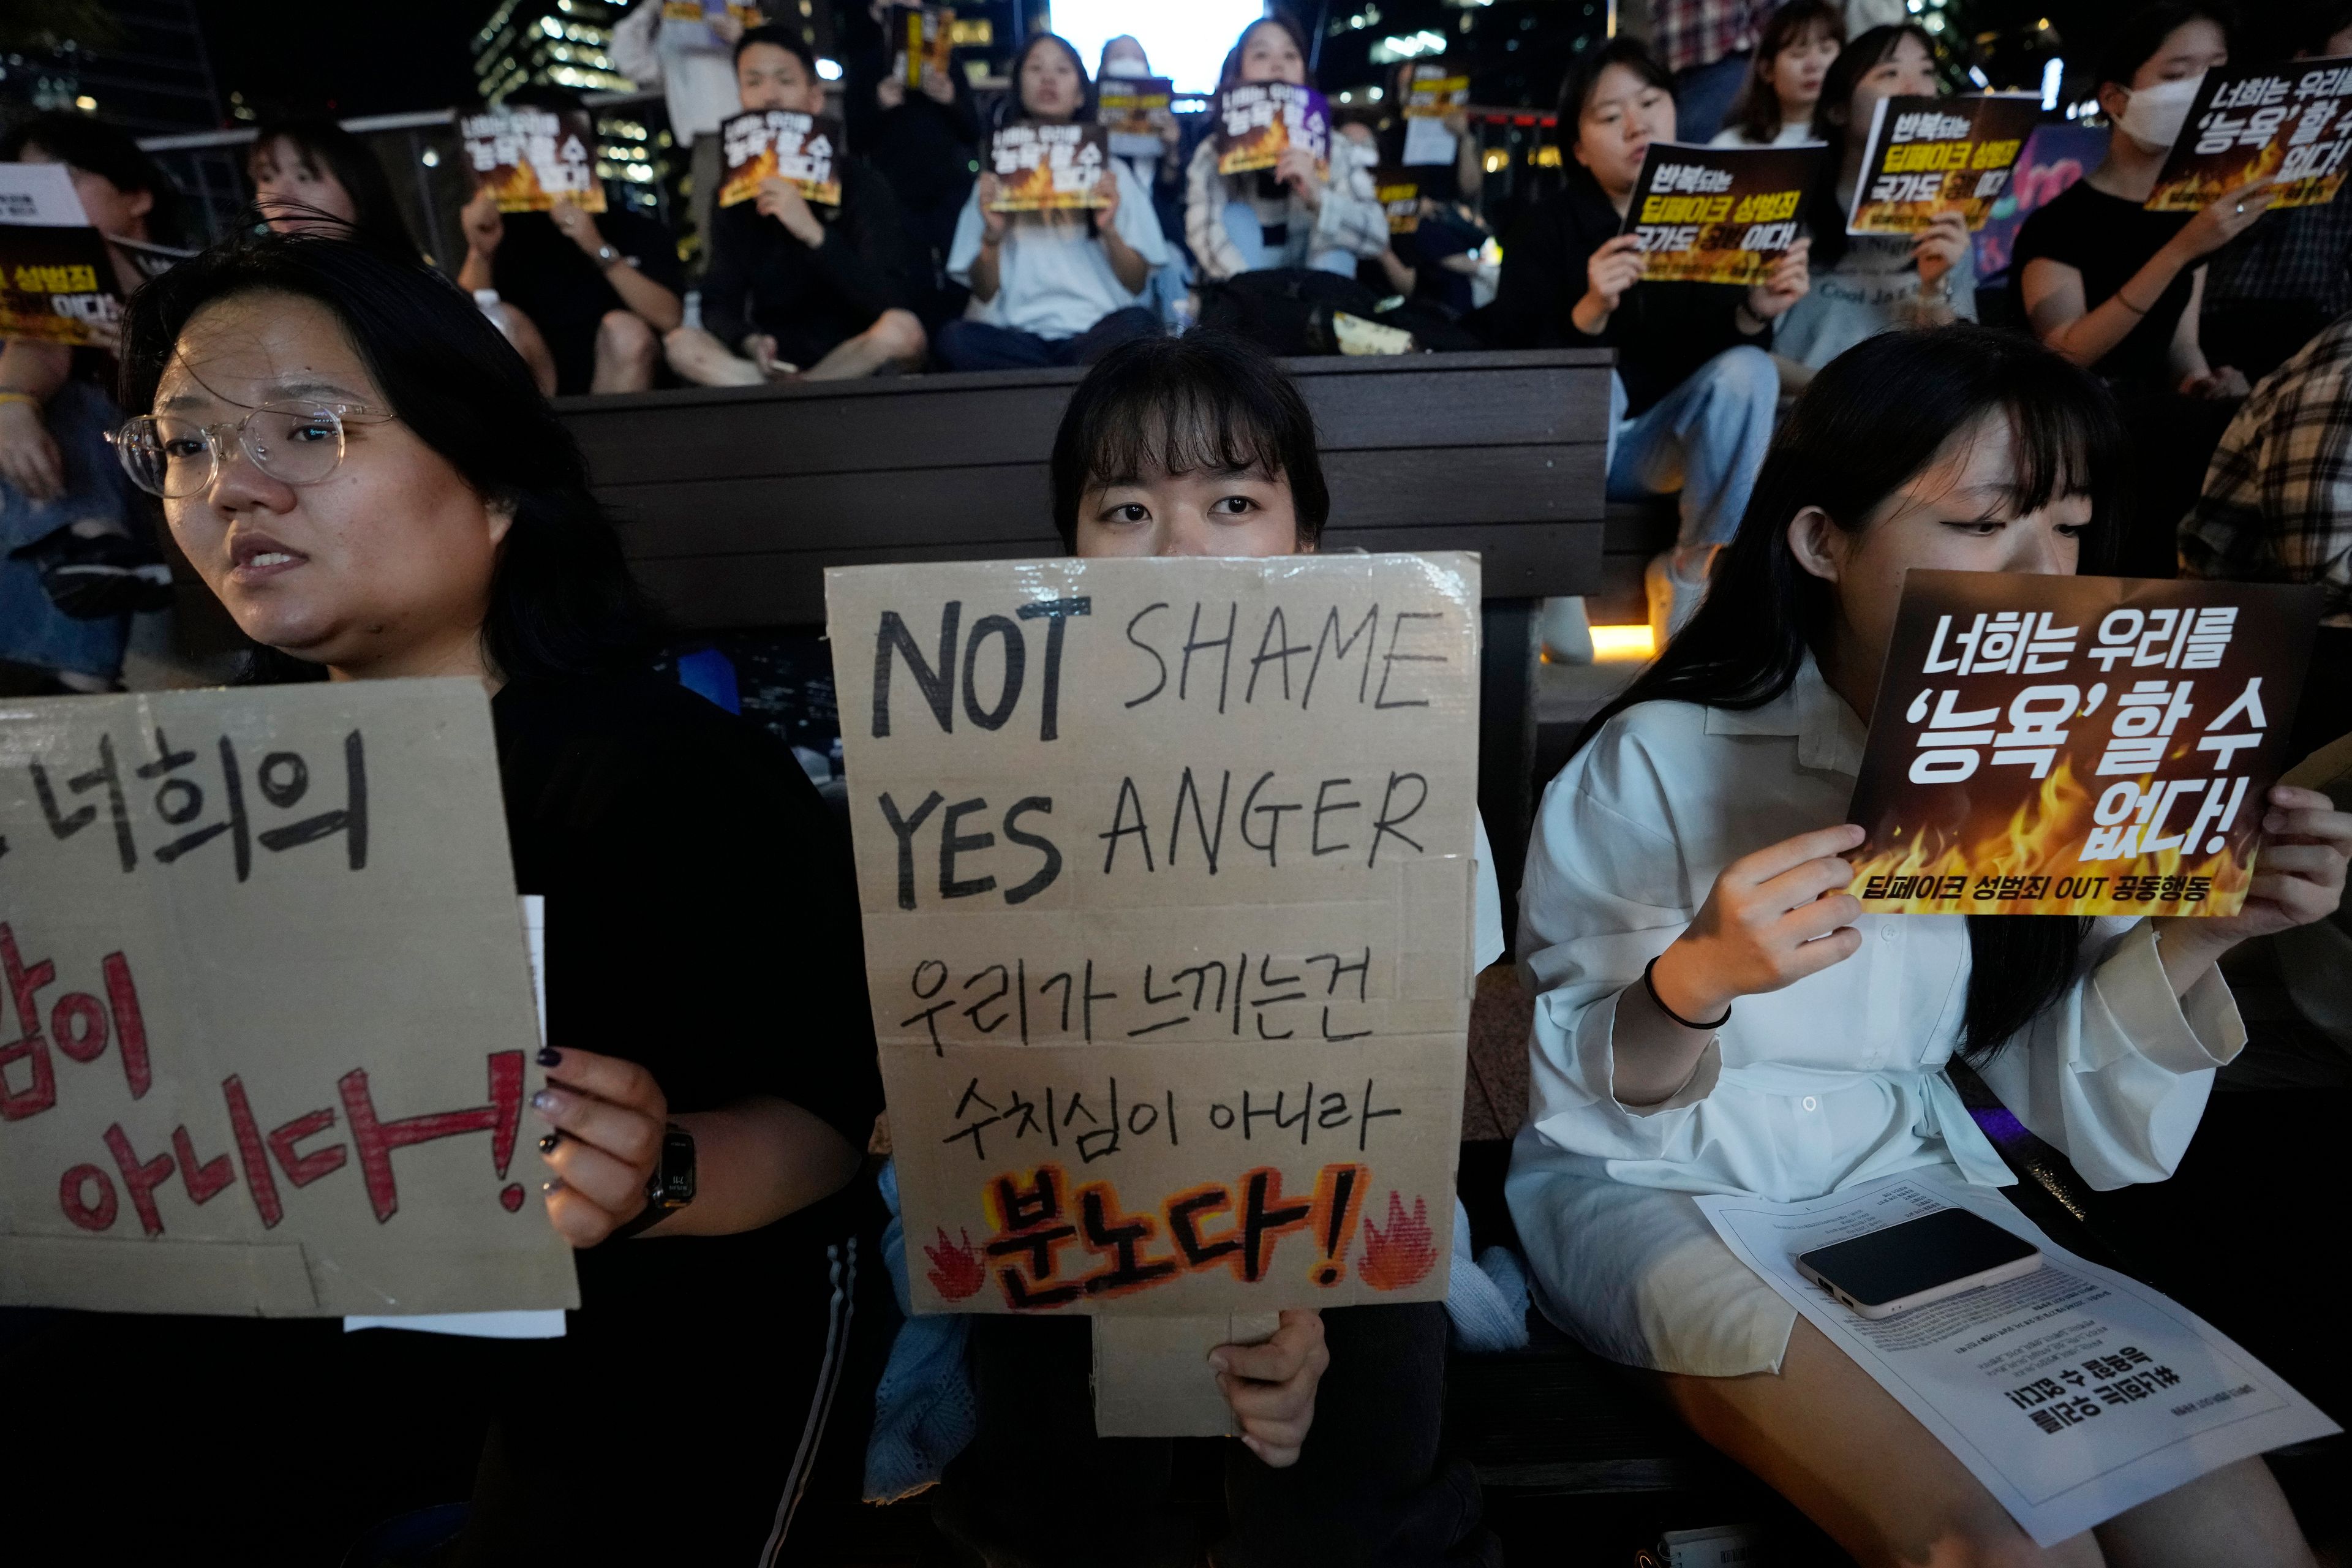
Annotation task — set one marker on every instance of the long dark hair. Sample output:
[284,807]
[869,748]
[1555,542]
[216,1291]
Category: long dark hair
[1862,54]
[2133,42]
[1756,107]
[100,149]
[1874,418]
[327,147]
[561,601]
[1017,108]
[1231,71]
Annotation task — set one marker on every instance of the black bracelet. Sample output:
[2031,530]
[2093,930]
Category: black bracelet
[1652,988]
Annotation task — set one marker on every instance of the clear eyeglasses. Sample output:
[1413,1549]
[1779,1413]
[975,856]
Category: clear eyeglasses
[295,443]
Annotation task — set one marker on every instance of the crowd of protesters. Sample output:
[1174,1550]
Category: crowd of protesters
[1820,433]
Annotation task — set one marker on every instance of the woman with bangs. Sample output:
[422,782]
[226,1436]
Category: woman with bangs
[1775,106]
[1685,924]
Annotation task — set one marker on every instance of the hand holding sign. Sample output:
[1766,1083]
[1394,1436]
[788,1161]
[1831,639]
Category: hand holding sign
[1616,267]
[1790,280]
[1772,918]
[1939,246]
[608,1117]
[1296,167]
[782,200]
[2298,879]
[2224,219]
[1271,1386]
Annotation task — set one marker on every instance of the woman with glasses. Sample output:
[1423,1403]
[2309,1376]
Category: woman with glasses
[360,468]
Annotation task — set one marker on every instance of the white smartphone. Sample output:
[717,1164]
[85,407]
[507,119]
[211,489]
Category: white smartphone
[1921,1260]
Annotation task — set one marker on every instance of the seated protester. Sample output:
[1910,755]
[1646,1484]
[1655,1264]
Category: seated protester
[693,69]
[1435,261]
[1162,176]
[795,289]
[314,176]
[2277,507]
[1871,283]
[1290,216]
[2118,289]
[75,551]
[454,535]
[926,141]
[1054,288]
[600,289]
[1460,178]
[1714,1013]
[1199,446]
[2278,285]
[1694,393]
[1776,105]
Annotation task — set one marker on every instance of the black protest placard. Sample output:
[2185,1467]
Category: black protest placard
[1719,215]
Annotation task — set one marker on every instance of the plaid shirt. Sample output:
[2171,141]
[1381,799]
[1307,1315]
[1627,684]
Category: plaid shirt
[2277,506]
[2302,254]
[1689,32]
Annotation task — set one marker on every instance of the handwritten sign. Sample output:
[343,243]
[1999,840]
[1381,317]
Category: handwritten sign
[1719,215]
[1931,155]
[2289,123]
[2076,745]
[1167,874]
[531,158]
[780,143]
[268,1032]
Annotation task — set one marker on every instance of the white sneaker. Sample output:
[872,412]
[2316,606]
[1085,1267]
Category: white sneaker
[1673,598]
[1567,631]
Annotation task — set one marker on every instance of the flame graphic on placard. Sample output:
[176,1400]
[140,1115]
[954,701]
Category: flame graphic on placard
[1031,190]
[2203,184]
[519,190]
[956,1271]
[1404,1252]
[2042,837]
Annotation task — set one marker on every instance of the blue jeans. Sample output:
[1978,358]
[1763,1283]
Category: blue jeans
[33,631]
[1703,96]
[977,345]
[1705,439]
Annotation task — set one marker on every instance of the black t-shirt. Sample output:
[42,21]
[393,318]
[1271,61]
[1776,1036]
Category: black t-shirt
[763,278]
[560,287]
[701,921]
[2107,239]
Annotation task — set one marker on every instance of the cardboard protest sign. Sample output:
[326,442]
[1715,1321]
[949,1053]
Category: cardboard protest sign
[1399,191]
[1719,215]
[1258,120]
[531,158]
[270,1033]
[1126,105]
[1167,872]
[1048,168]
[920,35]
[1931,155]
[2048,745]
[2289,123]
[55,279]
[780,143]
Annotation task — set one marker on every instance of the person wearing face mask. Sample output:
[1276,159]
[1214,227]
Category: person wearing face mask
[74,560]
[1052,287]
[2118,289]
[1161,174]
[795,289]
[1867,284]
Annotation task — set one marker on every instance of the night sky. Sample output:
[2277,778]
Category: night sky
[344,57]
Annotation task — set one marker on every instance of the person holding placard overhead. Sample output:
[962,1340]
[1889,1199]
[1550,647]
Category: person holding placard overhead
[2120,290]
[1190,447]
[1052,287]
[1694,393]
[360,468]
[1867,284]
[795,289]
[1714,1013]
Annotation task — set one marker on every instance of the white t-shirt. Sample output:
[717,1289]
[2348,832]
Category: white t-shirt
[1056,281]
[1800,134]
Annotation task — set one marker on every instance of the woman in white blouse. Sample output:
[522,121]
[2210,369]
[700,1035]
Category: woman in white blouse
[1780,1043]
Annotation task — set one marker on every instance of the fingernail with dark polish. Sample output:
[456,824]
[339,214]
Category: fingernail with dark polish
[549,1055]
[547,1144]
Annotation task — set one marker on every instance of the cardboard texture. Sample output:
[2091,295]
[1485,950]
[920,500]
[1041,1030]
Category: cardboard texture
[2076,745]
[780,143]
[1153,1377]
[270,1030]
[1719,215]
[1257,121]
[2290,123]
[529,158]
[55,279]
[1167,874]
[1048,168]
[1930,156]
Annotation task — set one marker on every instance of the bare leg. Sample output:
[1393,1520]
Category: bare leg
[523,334]
[626,352]
[699,357]
[2235,1515]
[895,337]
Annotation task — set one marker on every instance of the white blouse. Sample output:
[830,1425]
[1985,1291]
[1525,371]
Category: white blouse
[1835,1079]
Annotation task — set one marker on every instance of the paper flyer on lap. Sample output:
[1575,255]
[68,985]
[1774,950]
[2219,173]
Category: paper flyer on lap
[1167,874]
[1720,214]
[268,1035]
[2290,123]
[1928,155]
[2047,744]
[2072,1392]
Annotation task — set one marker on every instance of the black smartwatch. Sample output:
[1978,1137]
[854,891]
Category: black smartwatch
[671,1186]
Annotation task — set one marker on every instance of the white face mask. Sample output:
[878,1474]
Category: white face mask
[1124,65]
[2154,115]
